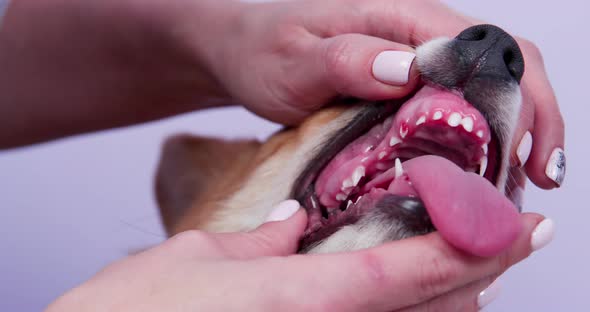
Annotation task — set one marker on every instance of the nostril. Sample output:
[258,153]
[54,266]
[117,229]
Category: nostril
[509,60]
[473,34]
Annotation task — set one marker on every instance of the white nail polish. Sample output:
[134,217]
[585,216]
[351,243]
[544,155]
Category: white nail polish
[555,169]
[489,294]
[393,67]
[283,210]
[524,148]
[543,234]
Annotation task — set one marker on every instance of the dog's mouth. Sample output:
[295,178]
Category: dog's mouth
[431,162]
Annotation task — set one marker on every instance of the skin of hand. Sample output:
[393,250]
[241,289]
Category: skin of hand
[285,60]
[109,63]
[198,271]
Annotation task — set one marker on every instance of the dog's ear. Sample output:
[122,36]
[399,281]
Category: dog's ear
[195,173]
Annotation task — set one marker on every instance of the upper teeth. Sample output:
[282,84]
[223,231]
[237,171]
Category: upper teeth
[421,120]
[484,147]
[358,173]
[467,124]
[394,141]
[454,120]
[437,115]
[341,197]
[479,133]
[399,170]
[403,131]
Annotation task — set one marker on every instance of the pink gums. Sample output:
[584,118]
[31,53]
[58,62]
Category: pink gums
[432,122]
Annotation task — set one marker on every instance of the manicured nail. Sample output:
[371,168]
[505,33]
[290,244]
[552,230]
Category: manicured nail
[283,210]
[543,234]
[524,148]
[393,67]
[489,294]
[555,169]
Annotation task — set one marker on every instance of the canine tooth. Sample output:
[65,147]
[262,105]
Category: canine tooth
[484,147]
[394,141]
[364,159]
[368,148]
[437,115]
[467,124]
[454,120]
[341,197]
[348,204]
[483,165]
[314,204]
[357,200]
[382,155]
[399,170]
[421,120]
[358,173]
[403,132]
[479,133]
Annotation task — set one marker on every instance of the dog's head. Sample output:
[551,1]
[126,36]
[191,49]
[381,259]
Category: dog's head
[372,172]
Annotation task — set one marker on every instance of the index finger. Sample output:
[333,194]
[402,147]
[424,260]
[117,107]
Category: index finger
[394,275]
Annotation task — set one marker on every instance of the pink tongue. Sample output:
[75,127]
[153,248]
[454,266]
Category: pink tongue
[467,210]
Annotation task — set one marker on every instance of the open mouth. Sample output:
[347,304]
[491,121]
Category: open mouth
[435,150]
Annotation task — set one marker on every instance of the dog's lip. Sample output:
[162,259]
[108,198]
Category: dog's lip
[304,187]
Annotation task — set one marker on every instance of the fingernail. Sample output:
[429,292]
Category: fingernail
[555,169]
[489,294]
[283,210]
[393,67]
[543,234]
[524,148]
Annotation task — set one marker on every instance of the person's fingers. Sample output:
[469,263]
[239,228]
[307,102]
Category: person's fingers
[546,164]
[278,236]
[472,297]
[355,65]
[402,273]
[399,21]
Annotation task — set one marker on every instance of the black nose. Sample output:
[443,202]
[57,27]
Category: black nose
[490,52]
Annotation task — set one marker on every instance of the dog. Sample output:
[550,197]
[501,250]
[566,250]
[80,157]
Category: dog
[371,172]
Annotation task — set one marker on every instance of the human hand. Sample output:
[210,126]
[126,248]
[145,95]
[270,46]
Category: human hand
[284,60]
[255,271]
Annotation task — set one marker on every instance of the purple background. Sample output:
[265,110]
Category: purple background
[71,207]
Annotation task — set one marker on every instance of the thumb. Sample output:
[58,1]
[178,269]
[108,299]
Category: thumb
[364,67]
[278,236]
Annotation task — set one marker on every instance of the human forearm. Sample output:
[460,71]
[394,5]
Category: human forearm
[70,67]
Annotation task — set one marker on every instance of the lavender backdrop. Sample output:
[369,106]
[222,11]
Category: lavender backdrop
[70,207]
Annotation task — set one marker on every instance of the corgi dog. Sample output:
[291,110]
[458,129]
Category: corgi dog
[372,172]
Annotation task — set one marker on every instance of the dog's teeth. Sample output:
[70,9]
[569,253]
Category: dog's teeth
[437,115]
[346,184]
[348,204]
[368,148]
[394,141]
[314,204]
[364,159]
[479,133]
[467,124]
[399,170]
[358,173]
[357,200]
[382,155]
[484,147]
[341,197]
[483,165]
[421,120]
[454,120]
[403,131]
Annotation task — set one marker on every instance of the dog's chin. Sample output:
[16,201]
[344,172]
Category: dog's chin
[394,171]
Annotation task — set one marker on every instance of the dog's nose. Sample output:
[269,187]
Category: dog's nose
[490,52]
